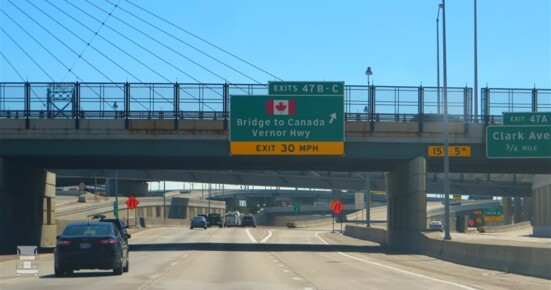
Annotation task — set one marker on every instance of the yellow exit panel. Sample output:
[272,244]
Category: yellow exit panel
[453,151]
[287,148]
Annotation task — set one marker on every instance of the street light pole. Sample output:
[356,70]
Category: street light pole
[164,200]
[438,102]
[475,65]
[117,192]
[367,199]
[446,149]
[368,72]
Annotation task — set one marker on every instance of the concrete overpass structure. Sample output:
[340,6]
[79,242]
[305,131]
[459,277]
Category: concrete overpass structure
[37,142]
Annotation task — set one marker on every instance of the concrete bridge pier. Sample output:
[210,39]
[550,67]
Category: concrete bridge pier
[27,207]
[517,209]
[407,206]
[507,204]
[541,203]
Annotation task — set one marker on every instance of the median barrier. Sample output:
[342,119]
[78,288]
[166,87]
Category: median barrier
[531,260]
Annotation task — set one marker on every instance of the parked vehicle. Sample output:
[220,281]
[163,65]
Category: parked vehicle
[198,222]
[214,219]
[232,219]
[248,221]
[91,245]
[435,226]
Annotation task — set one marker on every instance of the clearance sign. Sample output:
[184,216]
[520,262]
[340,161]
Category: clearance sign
[296,118]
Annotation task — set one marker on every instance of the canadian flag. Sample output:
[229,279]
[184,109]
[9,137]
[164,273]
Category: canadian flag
[281,107]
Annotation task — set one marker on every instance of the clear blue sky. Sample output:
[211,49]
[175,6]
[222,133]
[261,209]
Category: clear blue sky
[292,40]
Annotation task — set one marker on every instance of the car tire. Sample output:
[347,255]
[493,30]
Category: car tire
[191,228]
[118,269]
[59,272]
[127,266]
[220,226]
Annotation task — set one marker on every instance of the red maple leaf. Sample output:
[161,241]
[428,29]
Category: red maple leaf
[281,107]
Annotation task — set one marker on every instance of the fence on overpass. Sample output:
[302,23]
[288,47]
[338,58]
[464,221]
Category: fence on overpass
[38,100]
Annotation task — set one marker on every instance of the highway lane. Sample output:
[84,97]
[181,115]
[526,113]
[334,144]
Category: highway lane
[267,258]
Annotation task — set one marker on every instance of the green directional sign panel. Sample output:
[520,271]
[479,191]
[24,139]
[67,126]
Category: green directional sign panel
[496,211]
[518,141]
[528,118]
[304,123]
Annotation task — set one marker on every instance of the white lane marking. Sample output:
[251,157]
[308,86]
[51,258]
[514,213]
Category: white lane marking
[396,269]
[267,237]
[297,278]
[155,276]
[250,236]
[285,271]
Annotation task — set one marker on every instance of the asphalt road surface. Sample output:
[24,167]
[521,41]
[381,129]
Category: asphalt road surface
[267,258]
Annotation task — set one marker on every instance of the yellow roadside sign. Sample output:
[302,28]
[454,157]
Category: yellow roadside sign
[453,151]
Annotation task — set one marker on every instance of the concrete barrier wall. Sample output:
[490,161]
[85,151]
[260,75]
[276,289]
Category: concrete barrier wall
[531,261]
[369,234]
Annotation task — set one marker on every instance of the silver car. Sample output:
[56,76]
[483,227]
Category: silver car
[435,226]
[198,222]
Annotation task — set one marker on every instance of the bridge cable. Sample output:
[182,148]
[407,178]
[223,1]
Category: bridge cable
[32,59]
[9,62]
[185,43]
[162,44]
[107,40]
[152,53]
[202,39]
[62,42]
[92,39]
[38,42]
[24,51]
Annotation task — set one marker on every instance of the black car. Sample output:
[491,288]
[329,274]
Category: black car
[91,245]
[248,221]
[214,219]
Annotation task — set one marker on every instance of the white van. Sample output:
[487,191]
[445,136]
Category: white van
[232,219]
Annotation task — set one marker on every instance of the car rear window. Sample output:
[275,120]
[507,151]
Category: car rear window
[88,230]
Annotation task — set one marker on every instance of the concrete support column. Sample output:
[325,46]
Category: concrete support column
[507,204]
[27,206]
[527,205]
[407,206]
[517,210]
[541,205]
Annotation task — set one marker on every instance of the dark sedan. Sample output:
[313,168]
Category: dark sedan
[91,245]
[248,221]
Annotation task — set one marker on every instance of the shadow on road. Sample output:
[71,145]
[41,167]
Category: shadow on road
[247,247]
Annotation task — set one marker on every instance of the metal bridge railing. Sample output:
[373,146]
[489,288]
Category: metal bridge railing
[211,101]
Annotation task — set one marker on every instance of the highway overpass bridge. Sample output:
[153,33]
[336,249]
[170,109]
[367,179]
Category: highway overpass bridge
[185,127]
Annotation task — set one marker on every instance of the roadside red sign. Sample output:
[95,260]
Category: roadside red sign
[132,202]
[337,206]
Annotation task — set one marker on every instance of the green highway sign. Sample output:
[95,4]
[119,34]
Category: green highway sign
[296,207]
[295,123]
[306,88]
[528,118]
[496,211]
[518,141]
